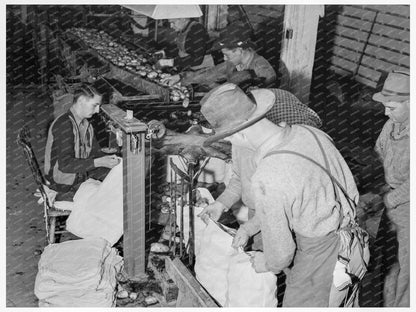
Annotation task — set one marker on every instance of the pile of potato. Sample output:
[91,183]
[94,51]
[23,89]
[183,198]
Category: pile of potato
[129,60]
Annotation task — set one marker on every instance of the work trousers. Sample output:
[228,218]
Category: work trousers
[396,291]
[309,281]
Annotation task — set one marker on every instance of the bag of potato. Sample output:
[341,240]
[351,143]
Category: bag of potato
[246,287]
[98,208]
[212,261]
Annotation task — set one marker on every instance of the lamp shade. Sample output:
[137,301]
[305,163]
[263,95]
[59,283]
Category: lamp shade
[158,12]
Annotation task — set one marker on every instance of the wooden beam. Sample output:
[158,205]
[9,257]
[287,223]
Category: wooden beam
[216,17]
[300,28]
[191,293]
[134,218]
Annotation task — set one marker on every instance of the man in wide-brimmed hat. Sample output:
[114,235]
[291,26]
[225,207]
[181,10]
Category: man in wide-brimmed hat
[393,147]
[241,64]
[297,209]
[286,108]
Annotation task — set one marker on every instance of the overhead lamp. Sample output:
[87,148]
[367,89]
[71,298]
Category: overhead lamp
[159,12]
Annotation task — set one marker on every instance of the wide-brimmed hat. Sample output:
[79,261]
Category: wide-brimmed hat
[229,110]
[395,88]
[234,36]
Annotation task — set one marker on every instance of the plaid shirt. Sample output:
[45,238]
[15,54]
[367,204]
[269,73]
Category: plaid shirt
[288,108]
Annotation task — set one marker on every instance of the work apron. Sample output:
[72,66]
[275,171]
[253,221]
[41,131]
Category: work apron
[309,281]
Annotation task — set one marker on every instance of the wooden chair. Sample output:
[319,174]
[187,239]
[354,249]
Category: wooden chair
[52,215]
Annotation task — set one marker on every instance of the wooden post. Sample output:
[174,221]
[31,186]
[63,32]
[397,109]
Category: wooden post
[300,28]
[216,18]
[24,14]
[133,191]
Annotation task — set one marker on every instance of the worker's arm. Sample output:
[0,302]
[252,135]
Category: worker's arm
[272,198]
[382,139]
[263,69]
[398,196]
[206,76]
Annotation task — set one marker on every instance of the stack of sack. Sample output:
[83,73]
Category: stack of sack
[78,273]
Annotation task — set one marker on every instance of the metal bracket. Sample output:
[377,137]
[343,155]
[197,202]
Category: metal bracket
[289,33]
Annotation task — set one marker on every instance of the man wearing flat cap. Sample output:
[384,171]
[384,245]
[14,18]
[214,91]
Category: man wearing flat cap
[241,64]
[393,148]
[299,210]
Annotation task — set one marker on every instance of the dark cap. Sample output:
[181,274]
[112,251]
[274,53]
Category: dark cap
[234,36]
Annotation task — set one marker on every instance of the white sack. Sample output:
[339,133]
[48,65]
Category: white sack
[98,208]
[199,225]
[211,264]
[246,287]
[228,275]
[77,273]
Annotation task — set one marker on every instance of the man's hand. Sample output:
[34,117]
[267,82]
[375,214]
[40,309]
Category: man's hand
[171,80]
[108,161]
[258,261]
[240,238]
[212,211]
[370,203]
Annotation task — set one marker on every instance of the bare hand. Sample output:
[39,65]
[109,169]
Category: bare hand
[212,211]
[108,161]
[370,203]
[240,238]
[258,261]
[171,80]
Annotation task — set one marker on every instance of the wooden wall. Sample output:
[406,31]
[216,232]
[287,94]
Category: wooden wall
[369,39]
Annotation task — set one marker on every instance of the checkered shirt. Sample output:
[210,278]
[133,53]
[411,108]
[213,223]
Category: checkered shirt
[288,108]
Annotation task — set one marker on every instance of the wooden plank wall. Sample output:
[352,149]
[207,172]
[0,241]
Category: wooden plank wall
[371,39]
[259,14]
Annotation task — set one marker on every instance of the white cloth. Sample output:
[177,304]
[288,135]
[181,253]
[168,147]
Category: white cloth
[246,287]
[228,275]
[212,261]
[78,273]
[199,225]
[98,208]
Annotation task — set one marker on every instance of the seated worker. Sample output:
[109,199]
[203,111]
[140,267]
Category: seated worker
[72,153]
[235,19]
[192,42]
[242,63]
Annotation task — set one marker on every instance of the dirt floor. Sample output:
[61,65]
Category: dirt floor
[25,233]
